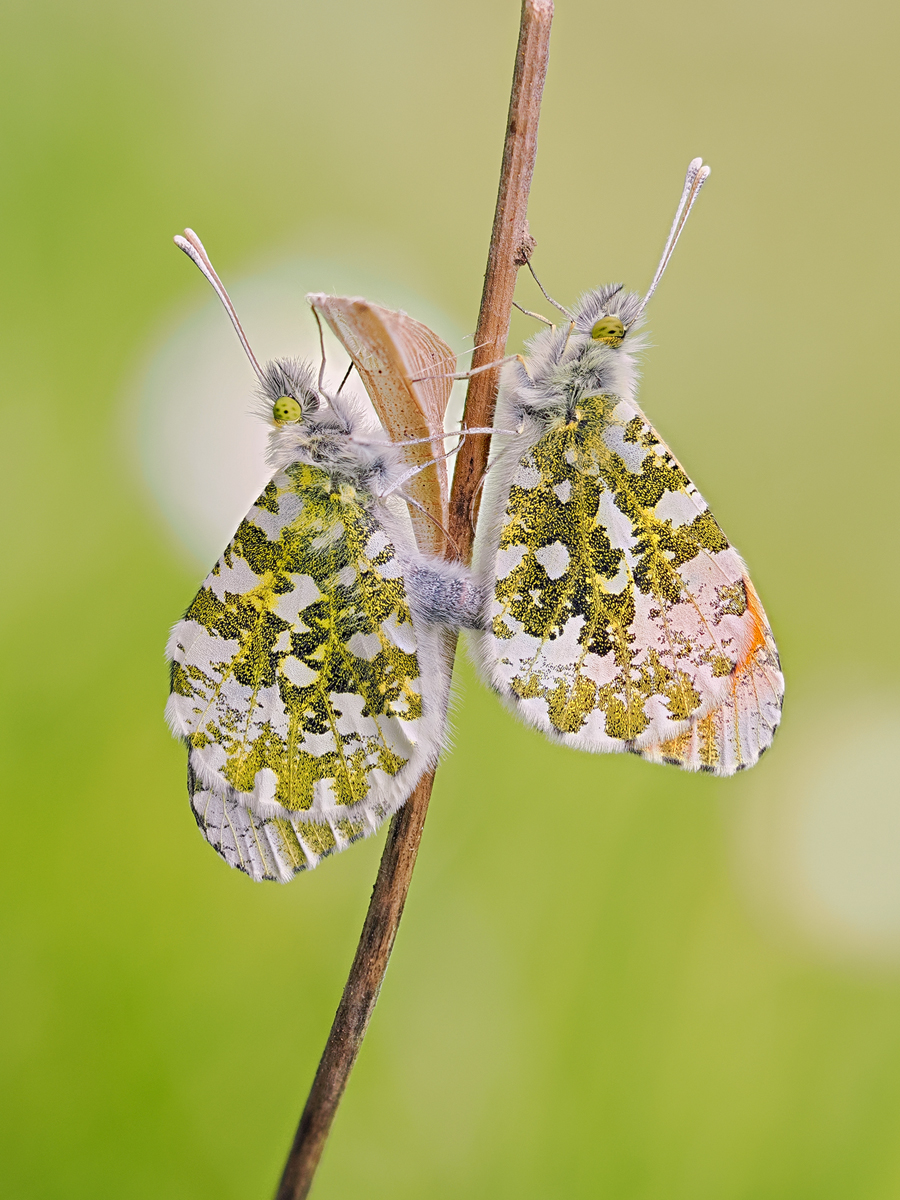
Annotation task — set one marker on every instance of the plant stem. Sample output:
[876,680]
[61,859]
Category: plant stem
[509,249]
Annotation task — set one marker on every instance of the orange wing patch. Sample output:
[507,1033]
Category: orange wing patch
[734,734]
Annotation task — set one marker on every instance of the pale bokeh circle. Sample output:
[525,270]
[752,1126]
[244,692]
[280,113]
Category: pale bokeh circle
[819,836]
[195,423]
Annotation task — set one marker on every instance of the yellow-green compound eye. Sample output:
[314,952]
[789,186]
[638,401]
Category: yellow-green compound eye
[609,330]
[286,409]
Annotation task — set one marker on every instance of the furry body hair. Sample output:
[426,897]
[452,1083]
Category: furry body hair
[342,440]
[565,364]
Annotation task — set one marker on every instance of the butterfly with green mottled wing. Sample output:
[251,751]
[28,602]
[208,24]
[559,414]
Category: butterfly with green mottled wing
[309,673]
[621,619]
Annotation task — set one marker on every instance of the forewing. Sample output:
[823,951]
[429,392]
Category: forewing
[295,680]
[622,618]
[405,367]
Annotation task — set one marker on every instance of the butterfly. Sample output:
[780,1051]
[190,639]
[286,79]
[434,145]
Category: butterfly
[621,618]
[309,676]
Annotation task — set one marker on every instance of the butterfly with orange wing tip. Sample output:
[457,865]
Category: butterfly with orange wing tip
[621,619]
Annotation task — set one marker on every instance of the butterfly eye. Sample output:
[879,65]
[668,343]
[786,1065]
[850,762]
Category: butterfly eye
[609,330]
[286,410]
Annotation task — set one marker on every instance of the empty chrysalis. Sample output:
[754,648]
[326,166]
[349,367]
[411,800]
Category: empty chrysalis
[309,675]
[621,619]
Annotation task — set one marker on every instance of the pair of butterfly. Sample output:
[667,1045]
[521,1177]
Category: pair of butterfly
[310,675]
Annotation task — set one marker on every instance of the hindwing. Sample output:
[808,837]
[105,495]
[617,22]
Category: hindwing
[296,680]
[622,619]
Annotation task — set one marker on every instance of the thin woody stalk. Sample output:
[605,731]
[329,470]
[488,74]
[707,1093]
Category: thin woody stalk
[509,249]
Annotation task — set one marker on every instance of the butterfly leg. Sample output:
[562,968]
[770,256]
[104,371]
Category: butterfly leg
[499,362]
[547,295]
[537,316]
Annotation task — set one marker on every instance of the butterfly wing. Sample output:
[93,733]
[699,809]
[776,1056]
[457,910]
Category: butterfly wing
[622,619]
[297,681]
[406,370]
[274,848]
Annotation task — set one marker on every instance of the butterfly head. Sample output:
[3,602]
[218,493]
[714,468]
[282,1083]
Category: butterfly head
[608,315]
[287,387]
[609,330]
[286,410]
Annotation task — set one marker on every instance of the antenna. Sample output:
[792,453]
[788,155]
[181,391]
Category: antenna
[193,248]
[697,175]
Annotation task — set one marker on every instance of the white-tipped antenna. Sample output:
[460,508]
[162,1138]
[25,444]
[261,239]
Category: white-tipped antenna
[697,175]
[193,248]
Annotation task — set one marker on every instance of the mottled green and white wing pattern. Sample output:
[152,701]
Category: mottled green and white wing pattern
[621,617]
[297,681]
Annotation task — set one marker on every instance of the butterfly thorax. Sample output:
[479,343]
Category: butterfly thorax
[336,446]
[566,364]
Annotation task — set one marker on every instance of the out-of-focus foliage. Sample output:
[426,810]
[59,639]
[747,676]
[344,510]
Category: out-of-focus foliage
[605,984]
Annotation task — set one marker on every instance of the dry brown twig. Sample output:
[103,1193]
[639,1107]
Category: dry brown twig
[510,247]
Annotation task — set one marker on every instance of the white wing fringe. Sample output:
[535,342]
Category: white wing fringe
[733,736]
[267,847]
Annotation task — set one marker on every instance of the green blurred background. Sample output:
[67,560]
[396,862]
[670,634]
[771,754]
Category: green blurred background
[674,988]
